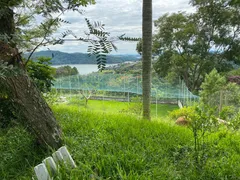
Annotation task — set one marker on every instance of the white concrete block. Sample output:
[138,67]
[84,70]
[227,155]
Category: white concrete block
[57,157]
[42,172]
[67,157]
[51,165]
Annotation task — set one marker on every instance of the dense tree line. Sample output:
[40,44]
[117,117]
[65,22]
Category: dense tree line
[66,71]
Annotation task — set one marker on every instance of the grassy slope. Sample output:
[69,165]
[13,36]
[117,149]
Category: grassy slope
[119,146]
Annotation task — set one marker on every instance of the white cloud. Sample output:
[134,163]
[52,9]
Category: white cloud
[120,17]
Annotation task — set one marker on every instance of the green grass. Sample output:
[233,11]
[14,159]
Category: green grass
[119,146]
[111,145]
[18,154]
[157,111]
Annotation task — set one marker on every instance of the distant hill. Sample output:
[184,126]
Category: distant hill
[59,58]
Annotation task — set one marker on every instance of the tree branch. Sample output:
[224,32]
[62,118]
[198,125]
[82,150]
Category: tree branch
[44,37]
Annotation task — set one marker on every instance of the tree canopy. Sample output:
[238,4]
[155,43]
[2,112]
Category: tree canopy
[66,71]
[189,45]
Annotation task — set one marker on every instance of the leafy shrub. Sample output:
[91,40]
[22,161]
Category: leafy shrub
[188,112]
[217,92]
[212,84]
[203,123]
[235,122]
[42,73]
[227,112]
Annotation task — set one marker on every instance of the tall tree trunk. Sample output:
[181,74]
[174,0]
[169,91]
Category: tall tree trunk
[24,95]
[7,22]
[146,57]
[33,110]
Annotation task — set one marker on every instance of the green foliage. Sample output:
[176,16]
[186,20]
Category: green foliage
[10,3]
[66,71]
[104,43]
[203,123]
[191,45]
[234,72]
[235,122]
[216,92]
[42,73]
[227,112]
[19,153]
[233,94]
[45,8]
[188,112]
[123,38]
[213,83]
[101,47]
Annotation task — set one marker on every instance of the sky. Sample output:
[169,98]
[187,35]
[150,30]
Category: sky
[120,17]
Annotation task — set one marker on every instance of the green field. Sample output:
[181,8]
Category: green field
[106,144]
[159,110]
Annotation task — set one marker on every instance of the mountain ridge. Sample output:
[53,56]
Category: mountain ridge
[59,58]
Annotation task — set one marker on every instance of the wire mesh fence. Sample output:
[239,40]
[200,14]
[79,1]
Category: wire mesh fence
[124,87]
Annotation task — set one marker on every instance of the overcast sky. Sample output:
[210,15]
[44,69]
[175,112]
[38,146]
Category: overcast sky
[120,17]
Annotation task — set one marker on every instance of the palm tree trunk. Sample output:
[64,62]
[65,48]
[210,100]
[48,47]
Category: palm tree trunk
[146,57]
